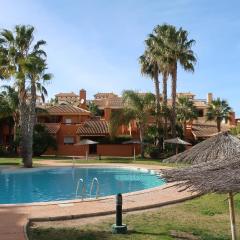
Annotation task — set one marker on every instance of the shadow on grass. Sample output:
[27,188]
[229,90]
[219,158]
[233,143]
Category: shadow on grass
[77,234]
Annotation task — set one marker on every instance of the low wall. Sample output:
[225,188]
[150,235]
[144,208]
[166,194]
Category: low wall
[121,150]
[118,150]
[67,150]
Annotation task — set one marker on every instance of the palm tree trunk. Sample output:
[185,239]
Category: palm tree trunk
[25,139]
[16,124]
[165,78]
[184,129]
[219,125]
[32,121]
[157,92]
[174,95]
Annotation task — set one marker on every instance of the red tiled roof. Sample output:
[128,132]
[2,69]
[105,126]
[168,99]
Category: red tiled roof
[65,109]
[114,102]
[71,94]
[204,130]
[52,128]
[93,128]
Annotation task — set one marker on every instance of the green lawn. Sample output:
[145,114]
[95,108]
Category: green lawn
[206,217]
[36,160]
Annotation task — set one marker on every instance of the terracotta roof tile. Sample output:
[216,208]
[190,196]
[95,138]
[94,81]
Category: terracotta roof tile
[204,130]
[65,109]
[115,102]
[71,94]
[93,128]
[52,128]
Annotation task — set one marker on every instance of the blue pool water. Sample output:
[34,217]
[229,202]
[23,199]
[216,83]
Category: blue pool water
[54,184]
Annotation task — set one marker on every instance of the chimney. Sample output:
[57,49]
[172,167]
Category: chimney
[209,98]
[82,98]
[232,119]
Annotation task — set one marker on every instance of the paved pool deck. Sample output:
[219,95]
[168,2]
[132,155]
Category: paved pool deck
[13,219]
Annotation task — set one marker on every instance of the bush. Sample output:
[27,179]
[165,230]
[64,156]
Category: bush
[153,151]
[42,140]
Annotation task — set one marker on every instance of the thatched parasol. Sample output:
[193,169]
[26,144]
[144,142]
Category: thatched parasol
[133,142]
[218,176]
[86,142]
[177,141]
[219,146]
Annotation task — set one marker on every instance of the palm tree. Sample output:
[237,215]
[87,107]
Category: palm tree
[186,111]
[137,107]
[16,49]
[150,67]
[9,106]
[218,110]
[178,50]
[153,63]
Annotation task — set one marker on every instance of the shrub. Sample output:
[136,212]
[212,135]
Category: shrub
[42,140]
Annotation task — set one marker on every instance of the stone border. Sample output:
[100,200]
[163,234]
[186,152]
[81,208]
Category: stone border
[105,213]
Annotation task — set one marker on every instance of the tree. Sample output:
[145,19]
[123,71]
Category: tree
[17,51]
[137,107]
[93,108]
[178,49]
[165,49]
[186,111]
[153,63]
[236,131]
[218,110]
[42,140]
[9,106]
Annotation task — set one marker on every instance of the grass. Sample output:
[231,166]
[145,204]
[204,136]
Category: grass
[206,217]
[36,160]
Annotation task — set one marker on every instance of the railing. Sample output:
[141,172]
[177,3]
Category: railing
[73,161]
[83,188]
[97,187]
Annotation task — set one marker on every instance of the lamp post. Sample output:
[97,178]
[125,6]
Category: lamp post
[118,227]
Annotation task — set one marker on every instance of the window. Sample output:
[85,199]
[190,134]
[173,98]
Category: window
[200,113]
[68,120]
[68,140]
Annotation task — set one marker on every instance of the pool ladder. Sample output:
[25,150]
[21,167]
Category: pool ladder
[95,180]
[83,188]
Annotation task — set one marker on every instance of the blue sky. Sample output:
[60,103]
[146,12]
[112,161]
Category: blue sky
[95,44]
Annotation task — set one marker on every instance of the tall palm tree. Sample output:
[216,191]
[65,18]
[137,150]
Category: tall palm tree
[178,50]
[150,67]
[9,106]
[16,47]
[137,107]
[218,110]
[153,63]
[186,111]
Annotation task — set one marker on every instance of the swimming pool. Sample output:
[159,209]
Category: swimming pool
[60,183]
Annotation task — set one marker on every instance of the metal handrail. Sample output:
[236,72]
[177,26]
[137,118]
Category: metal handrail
[83,188]
[73,161]
[92,184]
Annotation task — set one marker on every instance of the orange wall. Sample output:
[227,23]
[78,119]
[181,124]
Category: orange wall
[123,150]
[66,131]
[67,150]
[120,150]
